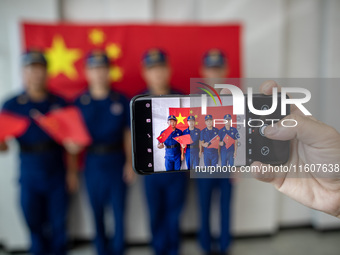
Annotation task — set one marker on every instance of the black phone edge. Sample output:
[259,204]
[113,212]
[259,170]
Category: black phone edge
[132,101]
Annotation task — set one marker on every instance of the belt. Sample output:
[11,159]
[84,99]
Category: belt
[192,146]
[39,147]
[105,148]
[172,146]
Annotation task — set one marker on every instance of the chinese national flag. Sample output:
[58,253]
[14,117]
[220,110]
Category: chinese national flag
[214,143]
[229,141]
[65,124]
[12,125]
[181,114]
[165,134]
[66,46]
[184,139]
[217,113]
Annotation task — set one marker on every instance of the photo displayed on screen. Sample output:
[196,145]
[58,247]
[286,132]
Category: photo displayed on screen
[179,129]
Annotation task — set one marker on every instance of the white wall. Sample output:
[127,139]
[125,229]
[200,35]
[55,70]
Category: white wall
[12,230]
[282,38]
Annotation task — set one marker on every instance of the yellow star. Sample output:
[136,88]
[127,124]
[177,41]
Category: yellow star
[180,119]
[190,111]
[116,73]
[113,51]
[96,36]
[196,123]
[61,60]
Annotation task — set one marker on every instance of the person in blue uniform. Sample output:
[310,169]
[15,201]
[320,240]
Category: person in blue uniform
[172,147]
[207,134]
[228,154]
[43,176]
[214,66]
[192,152]
[165,193]
[108,166]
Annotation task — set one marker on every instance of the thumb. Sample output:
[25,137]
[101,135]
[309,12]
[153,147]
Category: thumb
[300,127]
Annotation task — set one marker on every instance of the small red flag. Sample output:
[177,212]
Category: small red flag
[229,141]
[165,134]
[214,143]
[12,125]
[184,139]
[65,124]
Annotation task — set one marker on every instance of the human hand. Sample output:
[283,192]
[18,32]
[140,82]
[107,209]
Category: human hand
[72,181]
[72,147]
[312,142]
[129,175]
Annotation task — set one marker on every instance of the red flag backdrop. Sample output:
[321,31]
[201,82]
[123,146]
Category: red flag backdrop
[217,112]
[66,45]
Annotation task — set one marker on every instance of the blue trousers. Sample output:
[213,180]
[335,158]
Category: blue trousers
[227,157]
[173,162]
[105,186]
[45,210]
[192,158]
[165,194]
[210,158]
[206,188]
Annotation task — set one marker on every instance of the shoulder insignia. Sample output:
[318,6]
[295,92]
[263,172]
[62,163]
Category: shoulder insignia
[22,99]
[85,99]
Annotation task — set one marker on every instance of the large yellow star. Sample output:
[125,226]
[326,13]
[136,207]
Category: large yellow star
[180,119]
[61,60]
[113,51]
[116,73]
[96,36]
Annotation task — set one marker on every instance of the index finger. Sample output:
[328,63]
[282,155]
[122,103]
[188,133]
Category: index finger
[267,89]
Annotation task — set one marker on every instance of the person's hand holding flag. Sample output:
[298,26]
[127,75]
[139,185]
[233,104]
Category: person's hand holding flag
[66,126]
[214,143]
[164,135]
[228,141]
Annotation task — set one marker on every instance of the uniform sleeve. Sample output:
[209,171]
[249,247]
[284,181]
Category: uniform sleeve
[8,106]
[126,106]
[202,135]
[237,134]
[220,134]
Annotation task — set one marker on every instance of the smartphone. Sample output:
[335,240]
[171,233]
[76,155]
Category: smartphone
[151,116]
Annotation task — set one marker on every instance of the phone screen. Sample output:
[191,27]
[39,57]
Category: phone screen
[171,133]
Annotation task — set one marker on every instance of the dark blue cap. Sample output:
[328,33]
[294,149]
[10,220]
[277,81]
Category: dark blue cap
[154,57]
[214,58]
[172,117]
[97,58]
[208,117]
[227,117]
[33,57]
[191,118]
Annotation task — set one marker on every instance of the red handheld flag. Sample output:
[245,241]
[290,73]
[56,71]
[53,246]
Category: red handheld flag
[12,125]
[229,141]
[214,143]
[165,134]
[65,124]
[184,139]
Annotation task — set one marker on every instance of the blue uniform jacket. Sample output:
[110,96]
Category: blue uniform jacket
[172,152]
[195,137]
[37,164]
[232,132]
[206,136]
